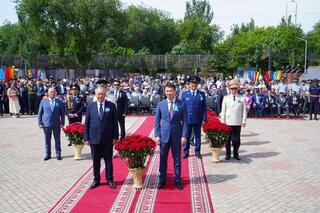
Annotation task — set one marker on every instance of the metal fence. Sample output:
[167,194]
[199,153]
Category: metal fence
[185,63]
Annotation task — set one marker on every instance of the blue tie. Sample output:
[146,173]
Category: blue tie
[101,112]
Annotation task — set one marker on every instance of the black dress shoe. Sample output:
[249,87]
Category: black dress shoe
[199,156]
[179,185]
[315,118]
[186,156]
[227,157]
[59,157]
[161,185]
[94,184]
[112,184]
[237,158]
[46,158]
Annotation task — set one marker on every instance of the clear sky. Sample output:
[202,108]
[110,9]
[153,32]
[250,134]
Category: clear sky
[226,12]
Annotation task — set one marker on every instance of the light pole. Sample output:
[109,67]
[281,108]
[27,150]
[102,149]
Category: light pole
[305,53]
[295,16]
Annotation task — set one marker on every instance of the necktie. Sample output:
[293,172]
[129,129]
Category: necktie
[171,110]
[101,111]
[194,94]
[234,98]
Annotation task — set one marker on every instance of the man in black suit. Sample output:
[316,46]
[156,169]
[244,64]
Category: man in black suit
[121,101]
[101,133]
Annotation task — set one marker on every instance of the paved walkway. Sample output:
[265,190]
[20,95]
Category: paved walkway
[279,171]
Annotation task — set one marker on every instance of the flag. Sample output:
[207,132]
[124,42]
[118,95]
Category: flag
[275,75]
[11,73]
[258,74]
[7,74]
[39,74]
[1,74]
[279,74]
[29,73]
[267,75]
[271,75]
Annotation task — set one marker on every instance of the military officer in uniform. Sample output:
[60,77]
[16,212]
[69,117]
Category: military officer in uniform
[121,101]
[314,99]
[32,98]
[196,107]
[234,114]
[75,105]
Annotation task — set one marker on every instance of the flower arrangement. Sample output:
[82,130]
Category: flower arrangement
[74,133]
[135,148]
[211,113]
[217,133]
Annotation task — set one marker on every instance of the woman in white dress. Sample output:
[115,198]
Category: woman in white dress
[13,95]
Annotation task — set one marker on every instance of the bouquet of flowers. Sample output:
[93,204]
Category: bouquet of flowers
[217,133]
[135,148]
[211,113]
[74,133]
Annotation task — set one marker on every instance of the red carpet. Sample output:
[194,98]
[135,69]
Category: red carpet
[195,196]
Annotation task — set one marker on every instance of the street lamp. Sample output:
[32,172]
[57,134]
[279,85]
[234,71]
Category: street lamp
[295,16]
[305,52]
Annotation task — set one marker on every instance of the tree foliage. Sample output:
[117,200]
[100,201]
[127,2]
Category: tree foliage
[200,9]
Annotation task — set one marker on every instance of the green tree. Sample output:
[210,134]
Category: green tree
[9,38]
[196,37]
[149,28]
[199,9]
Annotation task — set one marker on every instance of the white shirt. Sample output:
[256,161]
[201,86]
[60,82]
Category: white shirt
[51,102]
[98,105]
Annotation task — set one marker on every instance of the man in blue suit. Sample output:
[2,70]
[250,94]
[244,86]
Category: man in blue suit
[170,130]
[51,120]
[101,133]
[196,107]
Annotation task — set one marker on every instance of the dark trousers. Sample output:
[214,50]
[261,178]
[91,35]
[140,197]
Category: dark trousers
[176,155]
[235,138]
[121,120]
[56,134]
[314,105]
[23,105]
[32,102]
[105,151]
[197,134]
[1,106]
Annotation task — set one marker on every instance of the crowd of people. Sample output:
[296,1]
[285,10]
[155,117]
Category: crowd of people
[274,98]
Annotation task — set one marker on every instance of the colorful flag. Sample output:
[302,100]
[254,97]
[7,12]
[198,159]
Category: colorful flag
[7,74]
[267,75]
[279,74]
[1,74]
[11,73]
[39,74]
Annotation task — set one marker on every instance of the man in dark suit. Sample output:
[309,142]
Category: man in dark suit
[51,120]
[121,101]
[171,131]
[101,133]
[196,107]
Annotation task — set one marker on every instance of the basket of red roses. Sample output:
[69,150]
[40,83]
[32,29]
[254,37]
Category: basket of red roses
[217,134]
[74,134]
[135,149]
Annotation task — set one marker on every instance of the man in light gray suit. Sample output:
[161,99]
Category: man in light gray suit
[51,120]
